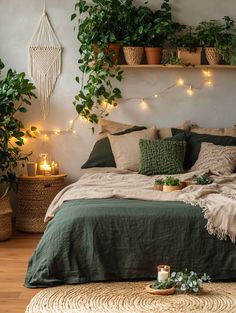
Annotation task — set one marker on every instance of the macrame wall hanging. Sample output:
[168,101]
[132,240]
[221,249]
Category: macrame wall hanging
[44,60]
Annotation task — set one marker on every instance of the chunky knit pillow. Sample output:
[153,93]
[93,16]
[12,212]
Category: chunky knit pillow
[161,157]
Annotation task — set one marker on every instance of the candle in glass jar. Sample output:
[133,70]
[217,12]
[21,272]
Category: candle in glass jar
[55,168]
[45,168]
[162,275]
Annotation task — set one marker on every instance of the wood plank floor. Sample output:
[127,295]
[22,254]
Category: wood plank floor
[14,255]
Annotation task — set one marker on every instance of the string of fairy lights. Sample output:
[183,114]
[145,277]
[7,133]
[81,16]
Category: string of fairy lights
[190,90]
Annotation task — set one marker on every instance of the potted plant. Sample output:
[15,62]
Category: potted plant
[171,184]
[209,34]
[182,282]
[188,47]
[202,179]
[159,29]
[15,93]
[134,32]
[100,29]
[158,184]
[226,43]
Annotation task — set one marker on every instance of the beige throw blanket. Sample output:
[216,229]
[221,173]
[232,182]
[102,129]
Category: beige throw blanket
[217,200]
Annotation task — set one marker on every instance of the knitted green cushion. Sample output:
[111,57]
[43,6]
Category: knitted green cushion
[161,157]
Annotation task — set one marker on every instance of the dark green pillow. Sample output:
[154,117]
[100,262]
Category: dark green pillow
[101,155]
[161,157]
[194,141]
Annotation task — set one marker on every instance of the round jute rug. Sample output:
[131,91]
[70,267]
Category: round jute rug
[131,297]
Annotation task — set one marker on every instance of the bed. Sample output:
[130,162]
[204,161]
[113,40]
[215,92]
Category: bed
[105,231]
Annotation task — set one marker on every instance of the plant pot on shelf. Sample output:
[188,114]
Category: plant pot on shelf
[153,55]
[212,55]
[5,218]
[190,57]
[171,188]
[133,55]
[115,49]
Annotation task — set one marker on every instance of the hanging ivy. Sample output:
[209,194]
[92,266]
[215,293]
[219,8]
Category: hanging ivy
[99,25]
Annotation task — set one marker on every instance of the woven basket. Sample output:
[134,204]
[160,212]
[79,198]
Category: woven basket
[133,55]
[33,199]
[5,219]
[213,56]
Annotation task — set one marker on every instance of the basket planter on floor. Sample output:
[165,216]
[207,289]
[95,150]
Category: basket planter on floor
[212,55]
[153,55]
[5,219]
[133,55]
[190,57]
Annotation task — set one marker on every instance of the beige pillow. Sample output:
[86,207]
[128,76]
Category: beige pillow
[216,158]
[126,150]
[111,127]
[215,131]
[165,132]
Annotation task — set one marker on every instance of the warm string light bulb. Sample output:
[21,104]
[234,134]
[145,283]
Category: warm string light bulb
[144,104]
[190,91]
[207,73]
[180,82]
[156,95]
[209,83]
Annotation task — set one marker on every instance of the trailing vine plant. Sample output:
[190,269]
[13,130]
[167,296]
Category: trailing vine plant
[99,24]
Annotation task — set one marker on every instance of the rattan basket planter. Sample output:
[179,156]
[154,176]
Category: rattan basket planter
[133,55]
[32,200]
[5,219]
[213,56]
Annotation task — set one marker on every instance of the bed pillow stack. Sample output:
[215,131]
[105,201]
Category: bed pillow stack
[208,152]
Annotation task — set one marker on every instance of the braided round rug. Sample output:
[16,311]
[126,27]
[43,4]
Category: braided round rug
[131,297]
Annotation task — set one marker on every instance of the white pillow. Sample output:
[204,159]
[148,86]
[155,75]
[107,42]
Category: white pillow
[217,159]
[126,149]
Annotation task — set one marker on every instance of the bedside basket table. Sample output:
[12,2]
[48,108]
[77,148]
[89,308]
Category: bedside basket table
[35,193]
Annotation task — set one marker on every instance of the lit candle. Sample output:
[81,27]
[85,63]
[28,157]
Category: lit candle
[45,168]
[163,272]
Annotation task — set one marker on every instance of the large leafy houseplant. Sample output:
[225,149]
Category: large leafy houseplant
[99,24]
[15,94]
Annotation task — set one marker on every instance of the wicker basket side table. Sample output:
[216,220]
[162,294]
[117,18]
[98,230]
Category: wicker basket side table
[35,193]
[5,219]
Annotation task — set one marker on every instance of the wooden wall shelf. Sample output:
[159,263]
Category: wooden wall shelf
[203,66]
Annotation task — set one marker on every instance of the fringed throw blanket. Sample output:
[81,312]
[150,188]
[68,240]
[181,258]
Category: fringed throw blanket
[217,200]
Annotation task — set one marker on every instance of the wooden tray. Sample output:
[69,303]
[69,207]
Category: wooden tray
[161,292]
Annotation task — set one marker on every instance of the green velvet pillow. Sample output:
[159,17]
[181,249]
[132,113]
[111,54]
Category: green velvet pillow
[161,157]
[101,155]
[194,141]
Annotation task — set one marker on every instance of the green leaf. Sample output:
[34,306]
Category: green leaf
[22,109]
[73,16]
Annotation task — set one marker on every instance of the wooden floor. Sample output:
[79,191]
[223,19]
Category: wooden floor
[14,255]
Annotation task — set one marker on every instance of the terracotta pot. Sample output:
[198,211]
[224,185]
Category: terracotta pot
[171,188]
[112,47]
[158,187]
[153,55]
[187,57]
[115,48]
[133,55]
[212,55]
[163,292]
[5,218]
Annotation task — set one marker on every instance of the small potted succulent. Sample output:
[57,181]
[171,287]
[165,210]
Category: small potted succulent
[188,47]
[181,282]
[158,185]
[171,184]
[202,179]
